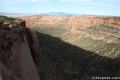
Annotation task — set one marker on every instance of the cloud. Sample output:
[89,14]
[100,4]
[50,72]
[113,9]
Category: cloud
[60,0]
[74,0]
[39,1]
[12,2]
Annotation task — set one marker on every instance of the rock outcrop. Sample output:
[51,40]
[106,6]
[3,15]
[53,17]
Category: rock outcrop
[17,44]
[72,22]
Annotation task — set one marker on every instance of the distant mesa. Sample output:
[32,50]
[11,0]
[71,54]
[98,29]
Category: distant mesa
[59,14]
[41,14]
[13,14]
[9,14]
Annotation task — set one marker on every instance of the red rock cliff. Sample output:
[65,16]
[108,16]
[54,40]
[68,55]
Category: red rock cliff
[73,22]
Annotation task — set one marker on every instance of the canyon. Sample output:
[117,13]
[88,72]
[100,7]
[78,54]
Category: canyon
[65,40]
[59,47]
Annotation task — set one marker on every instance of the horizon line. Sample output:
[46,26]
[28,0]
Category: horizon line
[55,14]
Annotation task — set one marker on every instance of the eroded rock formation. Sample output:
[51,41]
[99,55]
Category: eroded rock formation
[72,22]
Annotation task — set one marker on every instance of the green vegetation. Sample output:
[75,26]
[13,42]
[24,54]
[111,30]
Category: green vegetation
[80,55]
[111,29]
[63,61]
[8,21]
[101,39]
[57,30]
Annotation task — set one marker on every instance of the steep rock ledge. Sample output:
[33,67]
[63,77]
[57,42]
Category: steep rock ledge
[17,44]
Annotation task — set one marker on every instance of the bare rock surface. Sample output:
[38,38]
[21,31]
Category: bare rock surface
[16,61]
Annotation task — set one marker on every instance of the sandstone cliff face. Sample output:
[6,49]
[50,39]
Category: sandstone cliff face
[17,44]
[72,22]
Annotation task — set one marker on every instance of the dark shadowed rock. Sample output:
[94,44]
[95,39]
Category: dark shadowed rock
[16,61]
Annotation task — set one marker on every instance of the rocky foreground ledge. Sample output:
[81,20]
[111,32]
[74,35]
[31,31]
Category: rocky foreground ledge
[17,44]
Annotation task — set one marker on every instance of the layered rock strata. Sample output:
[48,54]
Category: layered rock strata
[72,22]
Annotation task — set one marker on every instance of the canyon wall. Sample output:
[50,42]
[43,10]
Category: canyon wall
[72,22]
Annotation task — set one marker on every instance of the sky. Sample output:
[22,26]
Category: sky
[93,7]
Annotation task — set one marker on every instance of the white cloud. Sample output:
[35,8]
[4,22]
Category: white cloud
[7,1]
[59,0]
[39,1]
[13,2]
[74,0]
